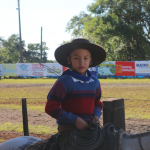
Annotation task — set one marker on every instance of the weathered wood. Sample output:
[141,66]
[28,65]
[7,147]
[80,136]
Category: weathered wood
[25,117]
[113,112]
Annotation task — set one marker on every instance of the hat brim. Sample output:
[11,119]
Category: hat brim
[97,52]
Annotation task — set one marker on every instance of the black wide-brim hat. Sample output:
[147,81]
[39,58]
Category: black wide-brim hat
[62,52]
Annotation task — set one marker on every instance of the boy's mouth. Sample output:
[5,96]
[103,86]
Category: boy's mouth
[81,67]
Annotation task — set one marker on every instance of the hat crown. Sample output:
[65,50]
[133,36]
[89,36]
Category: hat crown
[80,40]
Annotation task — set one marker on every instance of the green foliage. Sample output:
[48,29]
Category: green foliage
[10,51]
[33,55]
[121,27]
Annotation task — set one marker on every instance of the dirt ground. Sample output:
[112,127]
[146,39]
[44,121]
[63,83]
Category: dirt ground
[36,118]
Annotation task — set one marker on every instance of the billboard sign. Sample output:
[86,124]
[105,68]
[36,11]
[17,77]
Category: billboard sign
[9,69]
[106,69]
[142,68]
[0,69]
[53,69]
[38,70]
[125,68]
[23,69]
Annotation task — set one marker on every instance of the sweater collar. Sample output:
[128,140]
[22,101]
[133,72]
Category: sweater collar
[77,75]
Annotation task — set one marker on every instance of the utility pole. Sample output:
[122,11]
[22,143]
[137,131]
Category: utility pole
[41,46]
[20,47]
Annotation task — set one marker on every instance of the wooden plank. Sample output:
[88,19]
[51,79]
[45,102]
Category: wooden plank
[113,112]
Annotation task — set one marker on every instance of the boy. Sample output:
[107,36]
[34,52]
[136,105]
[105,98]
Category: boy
[74,100]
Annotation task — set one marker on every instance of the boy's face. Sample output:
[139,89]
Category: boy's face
[80,60]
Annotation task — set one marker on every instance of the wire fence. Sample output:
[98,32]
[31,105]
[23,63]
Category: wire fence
[11,118]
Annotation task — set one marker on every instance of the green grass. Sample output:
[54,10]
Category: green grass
[28,81]
[51,81]
[26,92]
[124,80]
[137,109]
[40,129]
[127,92]
[19,107]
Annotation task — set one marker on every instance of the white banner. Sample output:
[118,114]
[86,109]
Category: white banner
[142,68]
[106,69]
[0,69]
[23,69]
[38,70]
[53,69]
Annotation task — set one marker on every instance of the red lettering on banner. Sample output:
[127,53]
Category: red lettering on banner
[37,66]
[37,73]
[125,68]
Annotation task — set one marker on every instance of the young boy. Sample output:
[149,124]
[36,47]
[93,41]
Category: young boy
[74,100]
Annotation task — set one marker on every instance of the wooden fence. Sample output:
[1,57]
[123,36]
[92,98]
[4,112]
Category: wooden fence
[113,112]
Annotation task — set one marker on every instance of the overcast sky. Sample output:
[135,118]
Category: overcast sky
[51,15]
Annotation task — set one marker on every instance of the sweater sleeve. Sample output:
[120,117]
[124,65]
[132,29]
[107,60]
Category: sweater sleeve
[98,103]
[53,105]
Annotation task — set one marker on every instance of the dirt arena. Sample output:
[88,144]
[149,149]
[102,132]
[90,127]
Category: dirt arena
[35,118]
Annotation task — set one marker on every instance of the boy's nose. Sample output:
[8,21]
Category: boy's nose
[81,61]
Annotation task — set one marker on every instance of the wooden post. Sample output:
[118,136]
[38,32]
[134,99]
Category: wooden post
[25,117]
[113,112]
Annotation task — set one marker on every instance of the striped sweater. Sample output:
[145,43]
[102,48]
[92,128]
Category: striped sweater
[68,100]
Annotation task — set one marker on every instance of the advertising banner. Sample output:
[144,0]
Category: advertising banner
[94,71]
[125,68]
[38,70]
[0,69]
[142,68]
[9,69]
[106,69]
[53,69]
[23,69]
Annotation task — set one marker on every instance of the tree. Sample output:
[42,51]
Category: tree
[33,54]
[10,52]
[10,49]
[121,27]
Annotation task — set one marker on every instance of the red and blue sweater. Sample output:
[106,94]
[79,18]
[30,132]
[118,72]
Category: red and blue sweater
[68,100]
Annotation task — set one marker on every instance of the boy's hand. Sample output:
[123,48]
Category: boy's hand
[95,119]
[81,124]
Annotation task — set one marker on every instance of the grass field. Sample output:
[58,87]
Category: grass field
[49,81]
[137,107]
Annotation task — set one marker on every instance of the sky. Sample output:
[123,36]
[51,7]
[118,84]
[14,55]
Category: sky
[51,15]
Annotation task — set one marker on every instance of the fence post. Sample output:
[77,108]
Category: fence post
[25,117]
[113,112]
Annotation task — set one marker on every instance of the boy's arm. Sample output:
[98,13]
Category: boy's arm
[53,105]
[98,103]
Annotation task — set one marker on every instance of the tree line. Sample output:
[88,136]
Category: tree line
[121,27]
[10,52]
